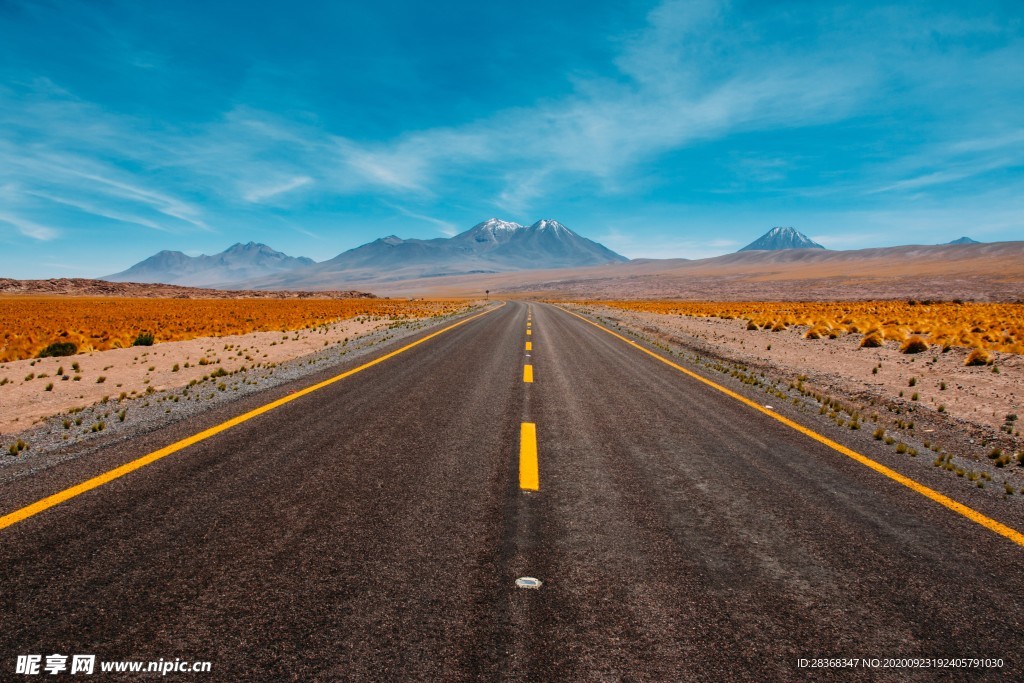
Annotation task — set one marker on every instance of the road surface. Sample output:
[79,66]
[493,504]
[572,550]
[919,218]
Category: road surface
[374,529]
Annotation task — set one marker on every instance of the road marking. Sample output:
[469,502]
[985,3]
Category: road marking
[527,373]
[957,507]
[99,480]
[529,346]
[529,332]
[529,476]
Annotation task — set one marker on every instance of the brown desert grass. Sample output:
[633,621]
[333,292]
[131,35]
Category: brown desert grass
[33,324]
[915,325]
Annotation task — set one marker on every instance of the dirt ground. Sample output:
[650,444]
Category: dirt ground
[136,370]
[978,394]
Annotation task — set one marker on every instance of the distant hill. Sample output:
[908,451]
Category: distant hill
[86,287]
[236,263]
[778,239]
[986,272]
[492,246]
[964,240]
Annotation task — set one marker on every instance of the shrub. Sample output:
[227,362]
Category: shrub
[143,339]
[58,349]
[879,434]
[871,341]
[978,357]
[914,344]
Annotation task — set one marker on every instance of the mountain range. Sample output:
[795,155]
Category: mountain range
[493,246]
[236,263]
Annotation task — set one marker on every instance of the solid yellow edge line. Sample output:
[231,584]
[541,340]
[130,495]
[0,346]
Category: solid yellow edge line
[970,513]
[528,373]
[99,480]
[529,476]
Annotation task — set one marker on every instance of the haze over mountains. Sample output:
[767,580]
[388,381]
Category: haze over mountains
[236,263]
[490,247]
[501,255]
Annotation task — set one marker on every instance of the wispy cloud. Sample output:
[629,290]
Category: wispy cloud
[662,101]
[90,208]
[29,228]
[695,91]
[444,227]
[262,194]
[161,202]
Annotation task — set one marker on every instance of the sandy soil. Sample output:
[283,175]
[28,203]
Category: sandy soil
[975,394]
[134,371]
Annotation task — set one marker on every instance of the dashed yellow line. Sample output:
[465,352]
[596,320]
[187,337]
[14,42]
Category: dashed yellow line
[529,346]
[97,481]
[957,507]
[528,373]
[529,474]
[529,332]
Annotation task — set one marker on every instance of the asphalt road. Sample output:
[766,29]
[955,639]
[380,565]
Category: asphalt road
[373,530]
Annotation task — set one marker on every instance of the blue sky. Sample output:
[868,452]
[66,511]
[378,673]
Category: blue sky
[682,129]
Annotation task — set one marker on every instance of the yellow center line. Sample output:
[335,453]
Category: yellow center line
[527,373]
[529,346]
[99,480]
[529,476]
[529,333]
[957,507]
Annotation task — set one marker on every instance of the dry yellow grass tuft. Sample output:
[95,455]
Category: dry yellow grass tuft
[30,324]
[988,326]
[977,357]
[914,344]
[871,341]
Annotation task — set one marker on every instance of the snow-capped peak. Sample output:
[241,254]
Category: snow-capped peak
[547,224]
[495,224]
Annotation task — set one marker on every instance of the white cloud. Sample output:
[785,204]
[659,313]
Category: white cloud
[29,228]
[99,211]
[446,228]
[261,194]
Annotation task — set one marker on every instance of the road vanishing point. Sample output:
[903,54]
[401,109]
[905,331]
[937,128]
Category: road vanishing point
[385,521]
